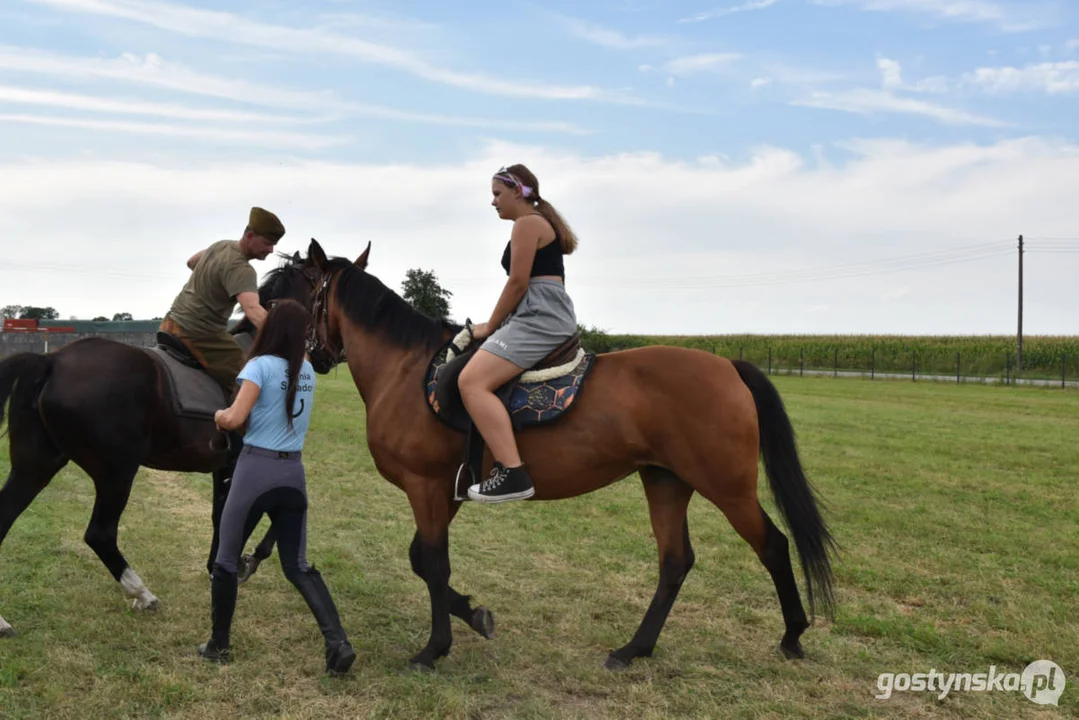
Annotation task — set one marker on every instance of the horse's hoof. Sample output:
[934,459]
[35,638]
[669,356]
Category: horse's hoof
[616,663]
[248,566]
[792,653]
[483,622]
[145,605]
[8,632]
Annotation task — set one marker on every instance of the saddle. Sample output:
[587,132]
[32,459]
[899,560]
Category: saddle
[194,392]
[541,394]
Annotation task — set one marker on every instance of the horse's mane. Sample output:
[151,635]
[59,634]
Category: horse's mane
[367,302]
[276,284]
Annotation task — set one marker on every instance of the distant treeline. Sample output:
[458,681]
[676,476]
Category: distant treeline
[985,355]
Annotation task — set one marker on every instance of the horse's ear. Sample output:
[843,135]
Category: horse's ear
[296,257]
[314,251]
[361,261]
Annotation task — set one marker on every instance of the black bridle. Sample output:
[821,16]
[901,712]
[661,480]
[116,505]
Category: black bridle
[320,315]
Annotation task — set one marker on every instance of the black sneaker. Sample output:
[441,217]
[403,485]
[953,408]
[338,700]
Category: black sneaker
[503,484]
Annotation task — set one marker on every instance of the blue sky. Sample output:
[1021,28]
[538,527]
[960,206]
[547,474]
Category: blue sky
[749,166]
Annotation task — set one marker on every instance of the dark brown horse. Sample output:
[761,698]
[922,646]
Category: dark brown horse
[105,406]
[685,420]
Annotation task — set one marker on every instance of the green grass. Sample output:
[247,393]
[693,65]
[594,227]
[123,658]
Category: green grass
[956,506]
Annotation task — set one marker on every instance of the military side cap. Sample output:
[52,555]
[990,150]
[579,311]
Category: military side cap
[265,223]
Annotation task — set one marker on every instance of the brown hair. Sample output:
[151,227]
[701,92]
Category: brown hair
[524,177]
[284,334]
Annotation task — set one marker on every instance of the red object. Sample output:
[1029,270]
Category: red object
[12,325]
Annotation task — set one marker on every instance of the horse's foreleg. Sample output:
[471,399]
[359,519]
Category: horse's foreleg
[668,498]
[479,619]
[113,489]
[221,493]
[431,509]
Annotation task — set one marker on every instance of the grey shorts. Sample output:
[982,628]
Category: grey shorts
[543,320]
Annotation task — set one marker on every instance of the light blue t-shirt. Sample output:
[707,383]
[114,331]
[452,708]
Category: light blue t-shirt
[266,426]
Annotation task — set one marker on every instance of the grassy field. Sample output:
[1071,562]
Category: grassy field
[956,506]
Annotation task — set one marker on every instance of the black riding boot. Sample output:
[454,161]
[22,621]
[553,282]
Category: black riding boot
[222,606]
[339,652]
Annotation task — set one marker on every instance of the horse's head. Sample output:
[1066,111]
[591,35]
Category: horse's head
[324,344]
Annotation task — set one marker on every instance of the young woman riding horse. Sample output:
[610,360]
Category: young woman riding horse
[686,421]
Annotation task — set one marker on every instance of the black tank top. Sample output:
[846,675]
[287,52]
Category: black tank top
[548,259]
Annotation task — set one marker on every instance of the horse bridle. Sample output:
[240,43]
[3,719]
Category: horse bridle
[320,315]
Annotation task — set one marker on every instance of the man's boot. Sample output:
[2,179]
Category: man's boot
[222,606]
[339,652]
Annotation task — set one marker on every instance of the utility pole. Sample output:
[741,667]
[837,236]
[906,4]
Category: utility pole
[1019,354]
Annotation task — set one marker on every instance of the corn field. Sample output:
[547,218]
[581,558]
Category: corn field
[1044,357]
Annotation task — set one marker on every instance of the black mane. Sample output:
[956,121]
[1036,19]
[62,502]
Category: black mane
[373,306]
[277,284]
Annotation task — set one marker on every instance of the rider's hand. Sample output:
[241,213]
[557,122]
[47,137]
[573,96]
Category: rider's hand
[479,331]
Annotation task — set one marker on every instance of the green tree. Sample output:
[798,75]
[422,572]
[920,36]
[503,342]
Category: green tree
[11,312]
[118,317]
[422,291]
[38,313]
[100,318]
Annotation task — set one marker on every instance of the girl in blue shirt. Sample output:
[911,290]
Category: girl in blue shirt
[275,398]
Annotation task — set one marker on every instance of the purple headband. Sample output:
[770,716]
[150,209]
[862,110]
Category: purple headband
[525,190]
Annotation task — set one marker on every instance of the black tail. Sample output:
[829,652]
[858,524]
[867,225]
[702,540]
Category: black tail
[21,374]
[794,495]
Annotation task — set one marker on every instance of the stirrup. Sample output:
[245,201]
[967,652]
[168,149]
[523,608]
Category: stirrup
[457,496]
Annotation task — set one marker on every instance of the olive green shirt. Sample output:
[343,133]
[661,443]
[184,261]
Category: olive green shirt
[205,304]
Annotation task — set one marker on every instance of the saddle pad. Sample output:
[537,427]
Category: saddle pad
[194,393]
[529,403]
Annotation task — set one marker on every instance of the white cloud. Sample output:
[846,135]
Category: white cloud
[223,135]
[1007,16]
[871,102]
[747,6]
[153,71]
[705,62]
[1051,78]
[651,258]
[231,28]
[892,79]
[1072,44]
[25,96]
[608,38]
[760,82]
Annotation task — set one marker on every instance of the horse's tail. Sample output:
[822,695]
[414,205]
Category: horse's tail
[20,377]
[794,496]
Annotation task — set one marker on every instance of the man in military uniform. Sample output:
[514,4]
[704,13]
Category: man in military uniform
[221,277]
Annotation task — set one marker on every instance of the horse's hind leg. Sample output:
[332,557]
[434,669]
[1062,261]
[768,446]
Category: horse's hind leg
[35,460]
[113,485]
[479,619]
[772,547]
[668,498]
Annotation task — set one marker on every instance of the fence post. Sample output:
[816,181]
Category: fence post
[873,364]
[1008,369]
[913,364]
[713,348]
[769,359]
[739,352]
[835,363]
[1063,370]
[801,362]
[958,365]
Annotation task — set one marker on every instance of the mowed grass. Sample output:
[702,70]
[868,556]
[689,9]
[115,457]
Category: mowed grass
[956,507]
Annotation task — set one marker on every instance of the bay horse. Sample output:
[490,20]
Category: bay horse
[106,406]
[685,420]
